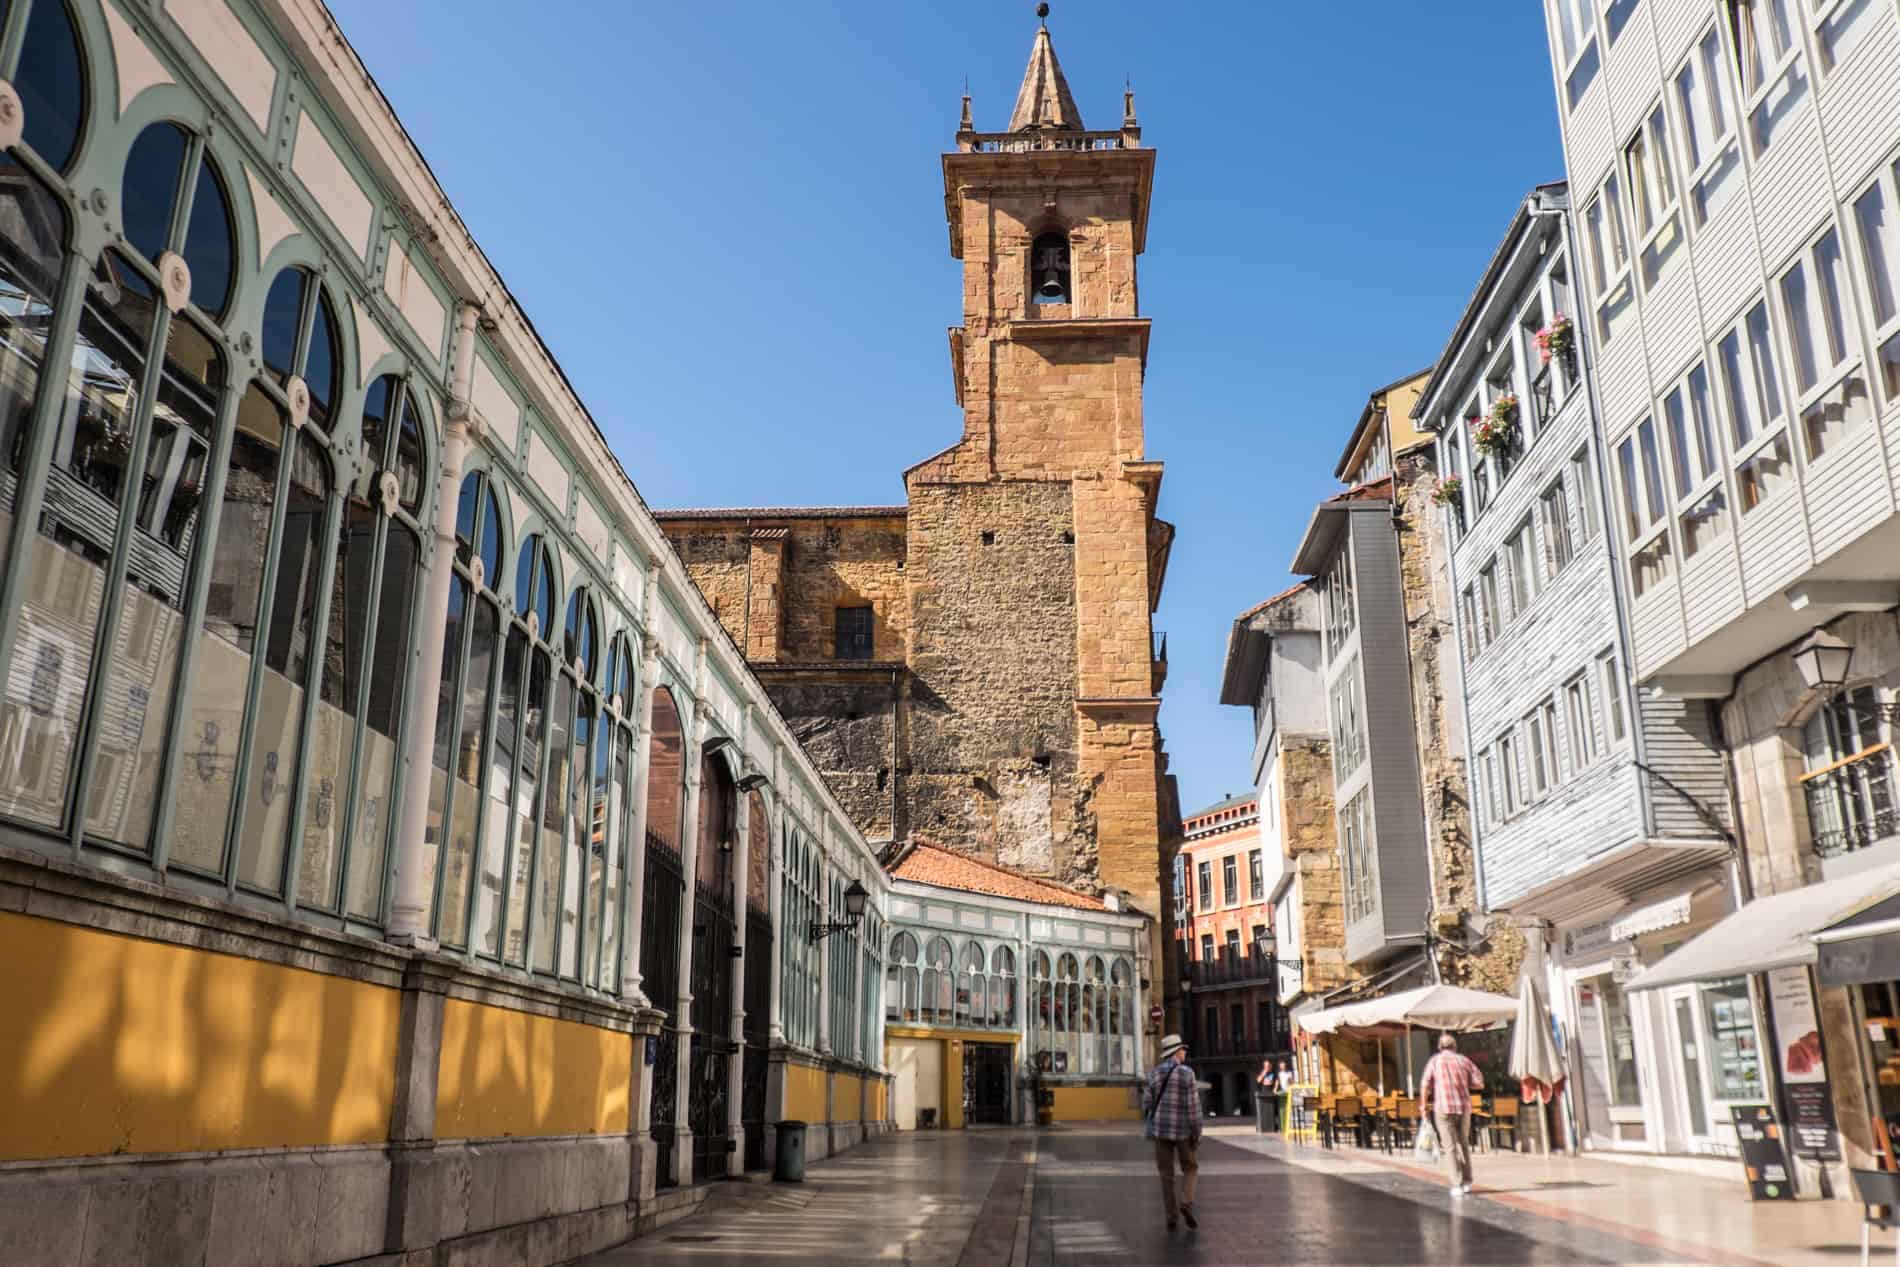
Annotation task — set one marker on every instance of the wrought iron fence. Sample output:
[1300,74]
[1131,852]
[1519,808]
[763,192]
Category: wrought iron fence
[1032,142]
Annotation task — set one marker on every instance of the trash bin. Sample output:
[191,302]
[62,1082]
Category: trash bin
[1266,1112]
[790,1166]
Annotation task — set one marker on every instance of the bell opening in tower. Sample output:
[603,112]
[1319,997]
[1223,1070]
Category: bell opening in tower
[1049,269]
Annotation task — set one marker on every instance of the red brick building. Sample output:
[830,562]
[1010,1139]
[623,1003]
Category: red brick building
[1221,910]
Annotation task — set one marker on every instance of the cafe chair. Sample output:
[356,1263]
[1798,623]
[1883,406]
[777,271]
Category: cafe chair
[1879,1192]
[1306,1118]
[1404,1124]
[1348,1115]
[1504,1113]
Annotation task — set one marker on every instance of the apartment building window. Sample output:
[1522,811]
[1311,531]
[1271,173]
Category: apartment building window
[1553,523]
[1230,880]
[1468,618]
[1831,393]
[1877,228]
[1349,732]
[1609,257]
[1480,484]
[1644,525]
[1701,505]
[1259,933]
[1849,784]
[1616,15]
[1757,416]
[1341,606]
[1207,948]
[1548,712]
[1500,385]
[1493,792]
[1356,856]
[1522,552]
[854,633]
[1237,1025]
[1713,153]
[1583,487]
[1577,41]
[1647,161]
[1212,1037]
[1488,611]
[1263,1020]
[1256,877]
[1542,776]
[1584,740]
[1507,767]
[1840,26]
[1615,692]
[1232,949]
[1205,874]
[1768,67]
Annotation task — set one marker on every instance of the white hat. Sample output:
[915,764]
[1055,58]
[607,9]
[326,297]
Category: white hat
[1171,1044]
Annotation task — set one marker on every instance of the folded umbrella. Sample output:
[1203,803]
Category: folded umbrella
[1534,1060]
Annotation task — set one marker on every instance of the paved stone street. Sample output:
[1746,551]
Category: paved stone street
[959,1198]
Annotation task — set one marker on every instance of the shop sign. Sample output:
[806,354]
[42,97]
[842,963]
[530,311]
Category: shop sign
[1582,941]
[1801,1065]
[1764,1159]
[1652,919]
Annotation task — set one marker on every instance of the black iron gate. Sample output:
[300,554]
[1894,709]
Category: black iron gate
[758,1034]
[665,886]
[713,1049]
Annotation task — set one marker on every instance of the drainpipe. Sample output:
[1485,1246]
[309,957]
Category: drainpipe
[409,909]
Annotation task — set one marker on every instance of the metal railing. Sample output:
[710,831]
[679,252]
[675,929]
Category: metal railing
[1850,803]
[1032,142]
[1230,970]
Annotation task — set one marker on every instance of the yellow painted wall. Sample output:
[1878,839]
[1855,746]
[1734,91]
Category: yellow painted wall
[513,1073]
[847,1090]
[1094,1104]
[804,1093]
[952,1040]
[112,1044]
[878,1099]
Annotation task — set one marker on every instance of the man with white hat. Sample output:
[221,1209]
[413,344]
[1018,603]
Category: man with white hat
[1171,1105]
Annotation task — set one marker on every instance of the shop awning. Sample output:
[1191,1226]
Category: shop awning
[1449,1007]
[1615,878]
[1863,947]
[1770,932]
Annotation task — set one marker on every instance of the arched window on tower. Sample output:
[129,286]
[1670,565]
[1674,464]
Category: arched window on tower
[1049,269]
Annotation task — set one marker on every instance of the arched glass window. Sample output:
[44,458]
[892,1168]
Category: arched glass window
[1068,1021]
[1094,1016]
[939,982]
[123,475]
[576,774]
[299,337]
[154,183]
[460,813]
[1121,1018]
[1049,269]
[664,879]
[51,81]
[516,767]
[394,447]
[1003,988]
[901,990]
[1847,748]
[972,1005]
[1042,1000]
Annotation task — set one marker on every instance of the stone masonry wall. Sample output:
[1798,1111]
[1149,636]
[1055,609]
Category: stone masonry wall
[990,718]
[847,724]
[1306,815]
[1424,555]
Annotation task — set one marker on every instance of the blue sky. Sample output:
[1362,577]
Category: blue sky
[727,221]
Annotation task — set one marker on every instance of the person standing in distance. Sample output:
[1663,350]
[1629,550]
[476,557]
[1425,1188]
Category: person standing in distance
[1171,1103]
[1449,1080]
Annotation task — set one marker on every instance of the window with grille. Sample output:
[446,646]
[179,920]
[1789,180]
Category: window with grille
[854,633]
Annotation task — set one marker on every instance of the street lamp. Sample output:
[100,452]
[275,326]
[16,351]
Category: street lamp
[1266,946]
[854,899]
[1823,659]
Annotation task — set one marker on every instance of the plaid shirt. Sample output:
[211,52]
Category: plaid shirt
[1175,1101]
[1449,1080]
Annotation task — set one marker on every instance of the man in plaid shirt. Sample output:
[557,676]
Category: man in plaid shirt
[1449,1080]
[1172,1105]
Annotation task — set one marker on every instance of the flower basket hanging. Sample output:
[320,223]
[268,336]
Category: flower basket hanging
[1496,433]
[1447,490]
[1558,339]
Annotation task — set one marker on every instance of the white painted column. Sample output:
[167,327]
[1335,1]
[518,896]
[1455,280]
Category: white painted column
[631,985]
[735,1075]
[689,860]
[825,916]
[775,897]
[409,906]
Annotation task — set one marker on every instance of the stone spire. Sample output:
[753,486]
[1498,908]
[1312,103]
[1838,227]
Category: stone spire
[1045,101]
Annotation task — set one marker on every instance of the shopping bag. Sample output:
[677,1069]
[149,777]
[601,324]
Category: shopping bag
[1425,1147]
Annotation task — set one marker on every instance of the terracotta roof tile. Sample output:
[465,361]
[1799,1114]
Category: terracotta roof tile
[784,512]
[927,864]
[1373,490]
[1261,606]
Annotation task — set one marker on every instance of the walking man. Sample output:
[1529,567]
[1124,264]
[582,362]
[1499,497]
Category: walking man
[1449,1080]
[1172,1105]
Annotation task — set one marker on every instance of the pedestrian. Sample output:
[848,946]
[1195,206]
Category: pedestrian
[1285,1078]
[1171,1103]
[1446,1089]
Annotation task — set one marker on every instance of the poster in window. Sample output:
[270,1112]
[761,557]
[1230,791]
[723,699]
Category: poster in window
[1801,1064]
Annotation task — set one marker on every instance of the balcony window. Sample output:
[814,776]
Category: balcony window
[1207,948]
[1231,950]
[1712,152]
[1848,751]
[1522,548]
[1609,257]
[1488,611]
[1768,67]
[1700,503]
[1877,235]
[1830,391]
[1577,43]
[1653,205]
[1553,524]
[1356,856]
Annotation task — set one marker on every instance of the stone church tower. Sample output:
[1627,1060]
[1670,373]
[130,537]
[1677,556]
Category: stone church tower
[997,688]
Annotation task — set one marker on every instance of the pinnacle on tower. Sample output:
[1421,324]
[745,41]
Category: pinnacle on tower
[1045,101]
